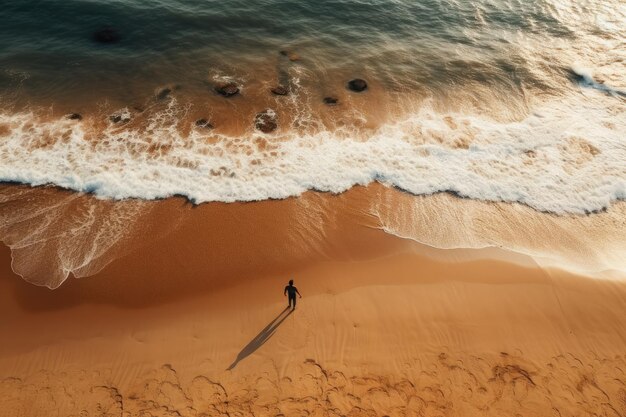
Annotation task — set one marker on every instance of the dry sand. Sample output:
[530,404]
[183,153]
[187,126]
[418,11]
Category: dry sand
[188,319]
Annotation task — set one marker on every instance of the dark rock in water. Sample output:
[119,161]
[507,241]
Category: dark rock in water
[106,35]
[357,85]
[163,94]
[204,123]
[266,121]
[331,101]
[119,118]
[292,56]
[280,91]
[227,90]
[74,116]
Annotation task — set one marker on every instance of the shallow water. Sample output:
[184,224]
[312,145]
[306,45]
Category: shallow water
[496,100]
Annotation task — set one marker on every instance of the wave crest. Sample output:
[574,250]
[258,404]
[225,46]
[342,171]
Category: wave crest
[565,157]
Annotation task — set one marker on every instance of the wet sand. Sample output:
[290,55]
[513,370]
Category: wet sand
[187,317]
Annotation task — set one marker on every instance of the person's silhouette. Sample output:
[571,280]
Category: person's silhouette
[291,291]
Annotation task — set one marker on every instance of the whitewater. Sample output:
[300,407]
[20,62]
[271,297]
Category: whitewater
[564,156]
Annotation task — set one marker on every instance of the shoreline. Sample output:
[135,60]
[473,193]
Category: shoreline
[373,183]
[55,233]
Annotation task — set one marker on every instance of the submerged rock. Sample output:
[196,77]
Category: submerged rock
[107,35]
[120,117]
[331,101]
[163,93]
[227,90]
[357,85]
[166,91]
[280,90]
[204,124]
[266,121]
[292,56]
[74,116]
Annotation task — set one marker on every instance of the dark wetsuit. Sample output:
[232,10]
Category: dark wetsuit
[291,291]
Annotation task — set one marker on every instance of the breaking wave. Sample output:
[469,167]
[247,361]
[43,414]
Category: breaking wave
[565,156]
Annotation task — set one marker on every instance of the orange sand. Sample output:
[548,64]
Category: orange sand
[386,326]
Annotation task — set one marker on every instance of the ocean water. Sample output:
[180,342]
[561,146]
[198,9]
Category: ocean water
[499,100]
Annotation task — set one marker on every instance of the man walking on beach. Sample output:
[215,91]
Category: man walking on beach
[292,291]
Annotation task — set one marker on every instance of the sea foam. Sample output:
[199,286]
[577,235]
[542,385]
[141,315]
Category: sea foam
[566,156]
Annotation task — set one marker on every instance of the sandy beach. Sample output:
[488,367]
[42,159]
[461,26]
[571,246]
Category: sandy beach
[192,322]
[445,182]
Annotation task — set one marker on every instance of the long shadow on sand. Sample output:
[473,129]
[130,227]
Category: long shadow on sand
[261,338]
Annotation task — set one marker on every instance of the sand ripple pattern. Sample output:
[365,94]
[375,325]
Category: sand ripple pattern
[442,385]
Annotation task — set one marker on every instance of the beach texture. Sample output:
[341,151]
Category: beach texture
[189,323]
[445,182]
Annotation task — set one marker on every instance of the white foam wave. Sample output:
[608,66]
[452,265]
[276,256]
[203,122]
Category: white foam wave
[567,156]
[585,77]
